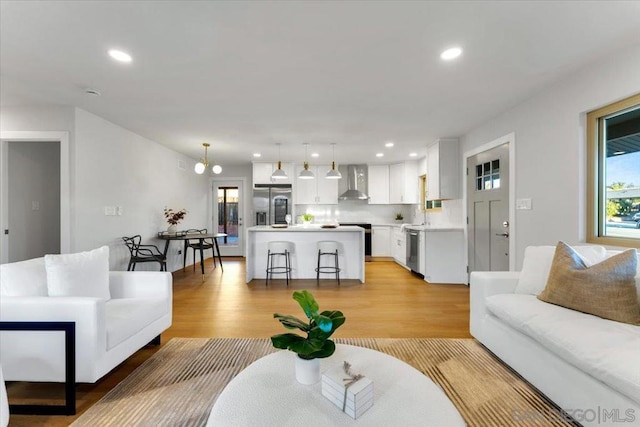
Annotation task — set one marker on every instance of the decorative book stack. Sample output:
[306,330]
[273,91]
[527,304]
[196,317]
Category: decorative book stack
[352,394]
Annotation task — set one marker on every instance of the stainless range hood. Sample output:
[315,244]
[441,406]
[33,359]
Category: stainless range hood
[356,183]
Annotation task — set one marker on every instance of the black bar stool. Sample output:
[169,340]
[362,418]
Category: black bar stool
[328,248]
[279,249]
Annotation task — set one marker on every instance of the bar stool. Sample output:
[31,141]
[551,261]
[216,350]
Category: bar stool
[278,249]
[328,248]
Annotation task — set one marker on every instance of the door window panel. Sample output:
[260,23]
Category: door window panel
[488,175]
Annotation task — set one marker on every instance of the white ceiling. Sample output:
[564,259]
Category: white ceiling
[245,75]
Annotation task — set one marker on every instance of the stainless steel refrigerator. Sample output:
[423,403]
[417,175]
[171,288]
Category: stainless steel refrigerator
[271,203]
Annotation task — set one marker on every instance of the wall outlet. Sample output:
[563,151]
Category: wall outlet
[179,251]
[109,210]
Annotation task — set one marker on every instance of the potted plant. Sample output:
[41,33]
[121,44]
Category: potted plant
[307,218]
[174,218]
[399,216]
[316,344]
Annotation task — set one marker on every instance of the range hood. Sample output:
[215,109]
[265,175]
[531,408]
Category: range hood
[356,183]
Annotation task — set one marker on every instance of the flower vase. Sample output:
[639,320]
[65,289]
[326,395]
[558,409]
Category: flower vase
[172,229]
[307,370]
[306,223]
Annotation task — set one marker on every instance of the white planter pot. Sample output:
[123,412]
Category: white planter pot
[307,371]
[172,229]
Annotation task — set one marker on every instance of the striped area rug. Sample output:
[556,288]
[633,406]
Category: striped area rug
[179,384]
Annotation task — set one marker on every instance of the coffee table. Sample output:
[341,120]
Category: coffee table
[266,393]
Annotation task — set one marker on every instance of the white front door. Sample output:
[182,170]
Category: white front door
[488,209]
[227,197]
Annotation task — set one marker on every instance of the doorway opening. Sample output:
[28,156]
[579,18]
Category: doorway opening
[227,207]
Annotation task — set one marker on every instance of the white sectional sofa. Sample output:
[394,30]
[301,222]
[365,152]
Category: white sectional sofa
[136,309]
[589,366]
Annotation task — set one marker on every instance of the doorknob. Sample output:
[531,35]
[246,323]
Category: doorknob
[502,234]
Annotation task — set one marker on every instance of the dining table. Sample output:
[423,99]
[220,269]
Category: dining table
[201,237]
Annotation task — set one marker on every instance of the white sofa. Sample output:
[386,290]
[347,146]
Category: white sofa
[588,366]
[108,330]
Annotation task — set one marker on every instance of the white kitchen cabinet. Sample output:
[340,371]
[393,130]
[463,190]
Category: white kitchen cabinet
[380,240]
[444,257]
[443,170]
[317,191]
[399,245]
[262,173]
[378,184]
[403,183]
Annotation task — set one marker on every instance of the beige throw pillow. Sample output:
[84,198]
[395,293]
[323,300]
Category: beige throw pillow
[606,289]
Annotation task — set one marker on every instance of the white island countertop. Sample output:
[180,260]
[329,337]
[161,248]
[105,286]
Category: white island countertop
[304,257]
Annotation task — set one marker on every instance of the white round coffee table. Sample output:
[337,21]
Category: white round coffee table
[266,393]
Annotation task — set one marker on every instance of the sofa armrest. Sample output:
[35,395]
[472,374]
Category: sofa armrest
[141,284]
[89,314]
[484,284]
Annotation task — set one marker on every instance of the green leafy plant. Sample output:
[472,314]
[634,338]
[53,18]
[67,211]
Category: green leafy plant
[319,328]
[307,217]
[399,216]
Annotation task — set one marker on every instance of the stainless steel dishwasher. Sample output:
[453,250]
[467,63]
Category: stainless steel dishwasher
[413,250]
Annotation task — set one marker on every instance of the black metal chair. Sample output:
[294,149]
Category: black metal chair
[143,253]
[195,245]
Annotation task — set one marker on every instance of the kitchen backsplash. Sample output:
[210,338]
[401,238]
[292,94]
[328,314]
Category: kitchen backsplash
[449,216]
[357,211]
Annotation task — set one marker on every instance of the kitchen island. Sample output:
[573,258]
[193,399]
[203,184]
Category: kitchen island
[304,258]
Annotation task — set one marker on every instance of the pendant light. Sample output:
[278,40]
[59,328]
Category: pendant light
[202,165]
[279,173]
[306,173]
[333,173]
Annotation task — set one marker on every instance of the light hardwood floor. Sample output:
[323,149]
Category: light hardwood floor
[393,303]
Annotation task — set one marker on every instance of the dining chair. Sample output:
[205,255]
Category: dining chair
[195,245]
[143,253]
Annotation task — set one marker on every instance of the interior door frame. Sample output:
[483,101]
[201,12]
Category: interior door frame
[244,197]
[511,139]
[65,184]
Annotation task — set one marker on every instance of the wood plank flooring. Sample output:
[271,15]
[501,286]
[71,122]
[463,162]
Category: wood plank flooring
[393,303]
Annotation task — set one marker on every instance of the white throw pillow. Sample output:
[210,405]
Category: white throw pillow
[537,263]
[23,279]
[84,274]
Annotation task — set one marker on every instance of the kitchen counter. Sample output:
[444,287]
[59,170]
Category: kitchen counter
[304,258]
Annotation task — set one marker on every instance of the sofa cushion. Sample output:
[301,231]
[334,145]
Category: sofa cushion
[607,350]
[128,316]
[24,279]
[606,289]
[83,274]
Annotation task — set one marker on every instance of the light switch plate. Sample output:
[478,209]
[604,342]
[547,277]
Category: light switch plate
[523,204]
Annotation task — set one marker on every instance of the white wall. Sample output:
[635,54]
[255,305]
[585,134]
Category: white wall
[116,167]
[550,147]
[33,199]
[111,166]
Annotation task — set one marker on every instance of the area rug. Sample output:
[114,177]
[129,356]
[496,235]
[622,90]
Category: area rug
[179,384]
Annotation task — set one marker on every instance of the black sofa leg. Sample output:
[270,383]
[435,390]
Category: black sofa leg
[155,341]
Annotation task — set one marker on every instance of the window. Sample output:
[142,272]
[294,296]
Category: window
[488,175]
[613,178]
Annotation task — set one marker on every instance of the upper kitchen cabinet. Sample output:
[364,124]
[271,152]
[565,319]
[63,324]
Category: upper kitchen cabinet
[378,183]
[403,183]
[443,170]
[262,173]
[317,191]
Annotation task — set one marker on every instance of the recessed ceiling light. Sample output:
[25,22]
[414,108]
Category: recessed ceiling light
[413,154]
[617,153]
[451,53]
[257,155]
[389,144]
[379,154]
[315,155]
[119,55]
